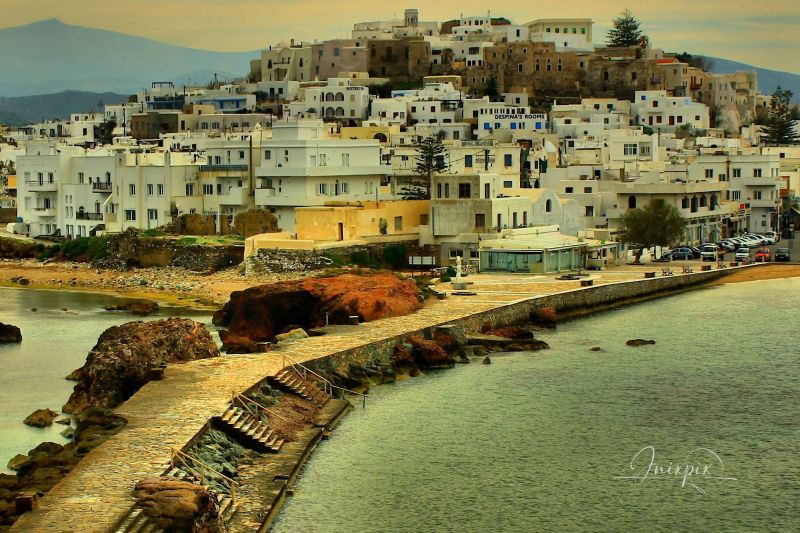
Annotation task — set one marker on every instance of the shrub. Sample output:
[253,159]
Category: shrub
[75,249]
[451,272]
[362,259]
[395,255]
[444,277]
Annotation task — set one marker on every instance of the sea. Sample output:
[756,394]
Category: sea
[56,338]
[698,432]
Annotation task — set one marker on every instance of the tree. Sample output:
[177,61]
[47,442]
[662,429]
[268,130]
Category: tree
[780,126]
[429,161]
[656,224]
[492,90]
[626,31]
[701,62]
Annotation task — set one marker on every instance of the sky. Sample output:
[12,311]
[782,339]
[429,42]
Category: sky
[764,33]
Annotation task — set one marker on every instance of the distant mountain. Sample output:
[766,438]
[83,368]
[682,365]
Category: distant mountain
[51,56]
[768,80]
[22,110]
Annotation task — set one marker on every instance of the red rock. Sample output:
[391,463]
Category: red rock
[261,312]
[402,357]
[511,332]
[120,362]
[175,505]
[236,344]
[545,316]
[41,418]
[428,354]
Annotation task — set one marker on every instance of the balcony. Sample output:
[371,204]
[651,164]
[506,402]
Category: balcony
[234,196]
[101,187]
[264,195]
[42,186]
[42,212]
[222,167]
[760,182]
[769,204]
[81,215]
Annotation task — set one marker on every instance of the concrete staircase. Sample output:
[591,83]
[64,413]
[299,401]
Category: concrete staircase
[289,380]
[239,424]
[136,521]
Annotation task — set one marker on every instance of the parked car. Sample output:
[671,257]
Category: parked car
[727,245]
[782,254]
[743,254]
[710,252]
[773,237]
[763,255]
[681,253]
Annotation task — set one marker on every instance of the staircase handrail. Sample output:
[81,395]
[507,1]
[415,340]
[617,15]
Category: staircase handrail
[183,457]
[328,386]
[239,396]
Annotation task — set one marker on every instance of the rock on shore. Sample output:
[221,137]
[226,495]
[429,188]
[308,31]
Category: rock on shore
[136,306]
[9,334]
[41,418]
[261,312]
[176,505]
[640,342]
[120,362]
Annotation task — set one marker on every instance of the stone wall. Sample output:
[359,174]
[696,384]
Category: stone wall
[585,300]
[266,261]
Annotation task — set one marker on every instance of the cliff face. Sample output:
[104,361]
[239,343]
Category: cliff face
[259,313]
[121,360]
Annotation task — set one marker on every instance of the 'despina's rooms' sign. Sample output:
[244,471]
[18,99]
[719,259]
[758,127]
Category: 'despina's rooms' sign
[535,116]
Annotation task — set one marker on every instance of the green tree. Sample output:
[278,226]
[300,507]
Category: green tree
[626,31]
[429,160]
[656,224]
[780,127]
[492,90]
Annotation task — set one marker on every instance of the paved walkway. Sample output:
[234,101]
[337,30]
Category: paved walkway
[97,493]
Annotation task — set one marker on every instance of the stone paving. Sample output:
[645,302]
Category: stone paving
[98,492]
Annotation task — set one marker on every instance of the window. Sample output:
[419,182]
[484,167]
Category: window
[447,190]
[684,203]
[468,161]
[267,155]
[737,172]
[589,211]
[508,160]
[398,223]
[756,195]
[80,177]
[480,220]
[587,189]
[644,149]
[149,189]
[548,206]
[756,172]
[241,154]
[190,189]
[208,188]
[160,189]
[152,214]
[130,215]
[709,173]
[438,190]
[630,149]
[508,184]
[568,190]
[132,189]
[322,189]
[464,190]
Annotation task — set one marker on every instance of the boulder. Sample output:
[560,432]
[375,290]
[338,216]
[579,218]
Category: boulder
[639,342]
[261,312]
[120,362]
[175,505]
[402,357]
[9,334]
[292,335]
[486,360]
[18,460]
[428,354]
[136,306]
[235,344]
[595,349]
[450,337]
[68,433]
[41,418]
[511,332]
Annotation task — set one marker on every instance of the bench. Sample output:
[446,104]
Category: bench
[666,272]
[687,270]
[705,268]
[648,275]
[587,282]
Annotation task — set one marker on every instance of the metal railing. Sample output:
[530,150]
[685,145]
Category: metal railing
[327,387]
[246,402]
[185,459]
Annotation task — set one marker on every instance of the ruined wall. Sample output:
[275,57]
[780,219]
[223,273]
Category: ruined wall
[254,222]
[128,249]
[407,59]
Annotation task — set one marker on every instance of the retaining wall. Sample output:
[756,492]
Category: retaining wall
[586,300]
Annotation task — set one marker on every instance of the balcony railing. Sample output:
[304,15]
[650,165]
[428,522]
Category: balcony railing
[81,215]
[222,166]
[101,187]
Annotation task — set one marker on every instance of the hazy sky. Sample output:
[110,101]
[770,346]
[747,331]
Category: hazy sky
[764,33]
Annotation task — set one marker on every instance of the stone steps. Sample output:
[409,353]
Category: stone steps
[243,426]
[287,379]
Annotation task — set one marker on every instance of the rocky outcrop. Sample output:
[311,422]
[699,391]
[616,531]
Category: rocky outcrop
[46,464]
[137,306]
[639,342]
[176,505]
[544,316]
[120,362]
[428,354]
[9,334]
[261,312]
[509,332]
[235,344]
[41,418]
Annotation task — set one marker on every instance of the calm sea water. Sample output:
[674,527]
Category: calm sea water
[533,442]
[54,343]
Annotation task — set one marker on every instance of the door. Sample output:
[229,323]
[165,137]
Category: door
[340,232]
[152,218]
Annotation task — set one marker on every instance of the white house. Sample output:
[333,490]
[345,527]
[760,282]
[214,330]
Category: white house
[657,110]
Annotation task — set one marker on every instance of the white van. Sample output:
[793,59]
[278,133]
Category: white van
[708,252]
